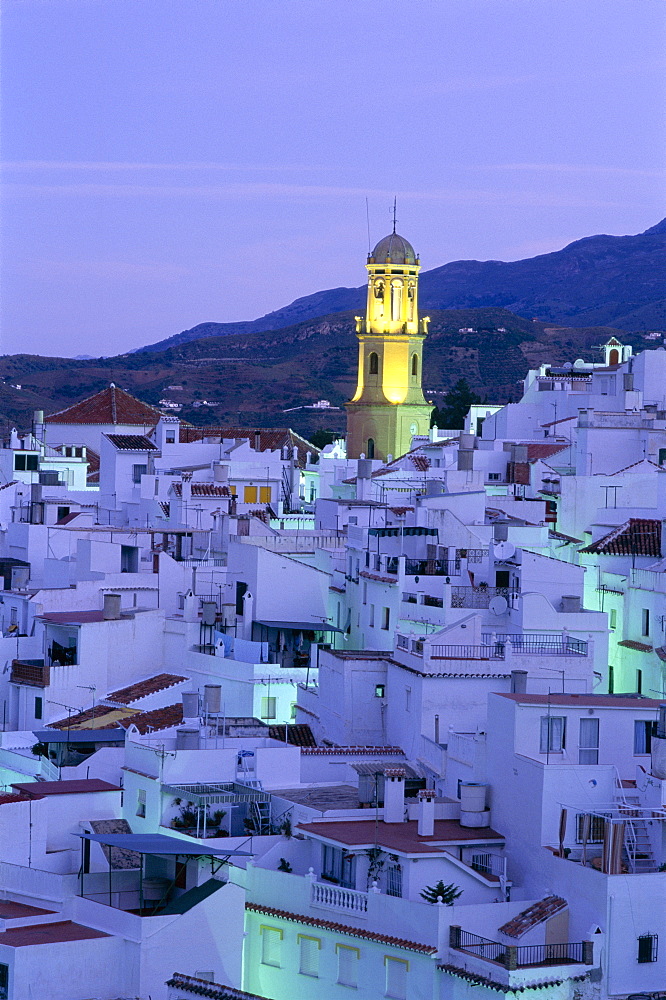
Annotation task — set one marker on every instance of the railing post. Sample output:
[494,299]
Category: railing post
[511,959]
[454,936]
[588,953]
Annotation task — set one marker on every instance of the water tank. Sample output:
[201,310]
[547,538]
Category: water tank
[364,468]
[111,607]
[187,738]
[208,612]
[190,704]
[472,796]
[212,698]
[475,820]
[155,889]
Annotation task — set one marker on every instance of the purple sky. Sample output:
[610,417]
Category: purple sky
[170,162]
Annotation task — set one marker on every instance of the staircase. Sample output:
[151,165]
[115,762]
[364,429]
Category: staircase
[638,850]
[261,814]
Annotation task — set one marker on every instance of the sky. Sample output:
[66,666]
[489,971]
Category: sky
[173,162]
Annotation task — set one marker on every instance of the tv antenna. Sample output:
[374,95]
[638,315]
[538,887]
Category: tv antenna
[394,212]
[367,219]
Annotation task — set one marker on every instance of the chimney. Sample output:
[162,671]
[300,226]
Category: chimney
[394,795]
[518,681]
[257,441]
[111,607]
[426,826]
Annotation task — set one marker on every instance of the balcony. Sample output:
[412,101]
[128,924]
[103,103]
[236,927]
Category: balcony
[34,673]
[432,567]
[512,957]
[494,652]
[541,645]
[335,897]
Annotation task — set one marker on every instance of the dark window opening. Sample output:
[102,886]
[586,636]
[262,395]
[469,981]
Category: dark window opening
[370,453]
[647,948]
[373,366]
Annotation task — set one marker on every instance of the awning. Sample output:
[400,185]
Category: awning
[80,735]
[159,843]
[301,626]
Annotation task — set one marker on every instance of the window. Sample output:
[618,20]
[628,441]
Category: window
[265,493]
[643,737]
[639,682]
[365,593]
[552,733]
[141,802]
[394,880]
[588,741]
[271,940]
[370,452]
[613,618]
[241,589]
[170,437]
[415,365]
[138,471]
[4,982]
[62,512]
[39,708]
[647,948]
[645,621]
[373,364]
[338,866]
[611,680]
[129,559]
[309,964]
[371,616]
[386,618]
[494,476]
[250,494]
[408,699]
[380,690]
[596,826]
[268,710]
[348,959]
[396,977]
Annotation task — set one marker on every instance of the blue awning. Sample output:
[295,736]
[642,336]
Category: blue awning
[159,843]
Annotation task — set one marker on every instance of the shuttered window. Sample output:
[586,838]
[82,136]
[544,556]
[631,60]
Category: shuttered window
[250,494]
[347,964]
[309,955]
[265,494]
[271,943]
[396,977]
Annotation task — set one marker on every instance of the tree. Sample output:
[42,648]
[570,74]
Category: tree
[456,406]
[447,893]
[320,438]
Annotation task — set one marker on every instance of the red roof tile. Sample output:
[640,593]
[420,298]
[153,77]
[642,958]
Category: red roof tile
[110,406]
[298,734]
[398,836]
[426,949]
[73,786]
[156,719]
[538,451]
[142,689]
[270,438]
[131,442]
[533,915]
[56,933]
[640,647]
[203,490]
[638,536]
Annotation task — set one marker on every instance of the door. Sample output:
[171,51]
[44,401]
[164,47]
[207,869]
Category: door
[588,741]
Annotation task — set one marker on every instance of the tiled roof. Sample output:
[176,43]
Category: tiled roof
[102,717]
[298,735]
[638,536]
[5,486]
[110,406]
[354,751]
[270,438]
[204,988]
[131,442]
[537,451]
[55,933]
[203,490]
[420,462]
[72,786]
[533,915]
[298,918]
[403,837]
[156,719]
[640,647]
[143,688]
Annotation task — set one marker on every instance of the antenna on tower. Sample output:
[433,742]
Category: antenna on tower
[394,211]
[367,219]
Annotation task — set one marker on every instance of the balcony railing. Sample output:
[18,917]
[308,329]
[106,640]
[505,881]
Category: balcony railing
[521,956]
[335,897]
[479,598]
[432,567]
[494,652]
[544,645]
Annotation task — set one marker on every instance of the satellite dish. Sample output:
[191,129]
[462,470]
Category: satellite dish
[498,605]
[504,550]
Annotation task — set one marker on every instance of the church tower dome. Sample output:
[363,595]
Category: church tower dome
[389,408]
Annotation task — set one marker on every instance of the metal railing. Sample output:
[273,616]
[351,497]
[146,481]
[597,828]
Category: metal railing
[553,644]
[335,897]
[432,567]
[494,652]
[521,956]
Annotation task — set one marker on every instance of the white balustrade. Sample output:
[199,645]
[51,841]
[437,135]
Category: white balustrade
[335,897]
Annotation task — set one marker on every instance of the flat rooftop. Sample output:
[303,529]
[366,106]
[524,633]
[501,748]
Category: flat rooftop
[11,910]
[593,700]
[56,933]
[402,837]
[76,786]
[323,797]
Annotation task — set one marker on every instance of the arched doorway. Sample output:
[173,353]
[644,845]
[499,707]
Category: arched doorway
[613,356]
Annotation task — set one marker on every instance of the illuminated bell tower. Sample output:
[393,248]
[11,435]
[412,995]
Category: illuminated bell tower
[388,406]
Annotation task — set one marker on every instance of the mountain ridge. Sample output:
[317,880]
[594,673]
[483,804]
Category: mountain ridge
[600,280]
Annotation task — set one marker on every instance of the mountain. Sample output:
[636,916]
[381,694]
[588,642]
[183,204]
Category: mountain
[597,281]
[252,378]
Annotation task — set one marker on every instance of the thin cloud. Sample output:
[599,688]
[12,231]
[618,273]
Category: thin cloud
[573,168]
[113,270]
[130,166]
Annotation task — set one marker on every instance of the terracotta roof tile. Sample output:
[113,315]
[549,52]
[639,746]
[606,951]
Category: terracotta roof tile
[270,438]
[425,949]
[132,442]
[205,988]
[638,536]
[141,689]
[538,451]
[203,490]
[110,406]
[403,837]
[640,647]
[156,719]
[533,915]
[298,734]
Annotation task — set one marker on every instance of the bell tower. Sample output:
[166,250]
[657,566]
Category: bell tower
[388,406]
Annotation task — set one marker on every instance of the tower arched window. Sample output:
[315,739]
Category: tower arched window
[370,451]
[373,364]
[415,365]
[396,299]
